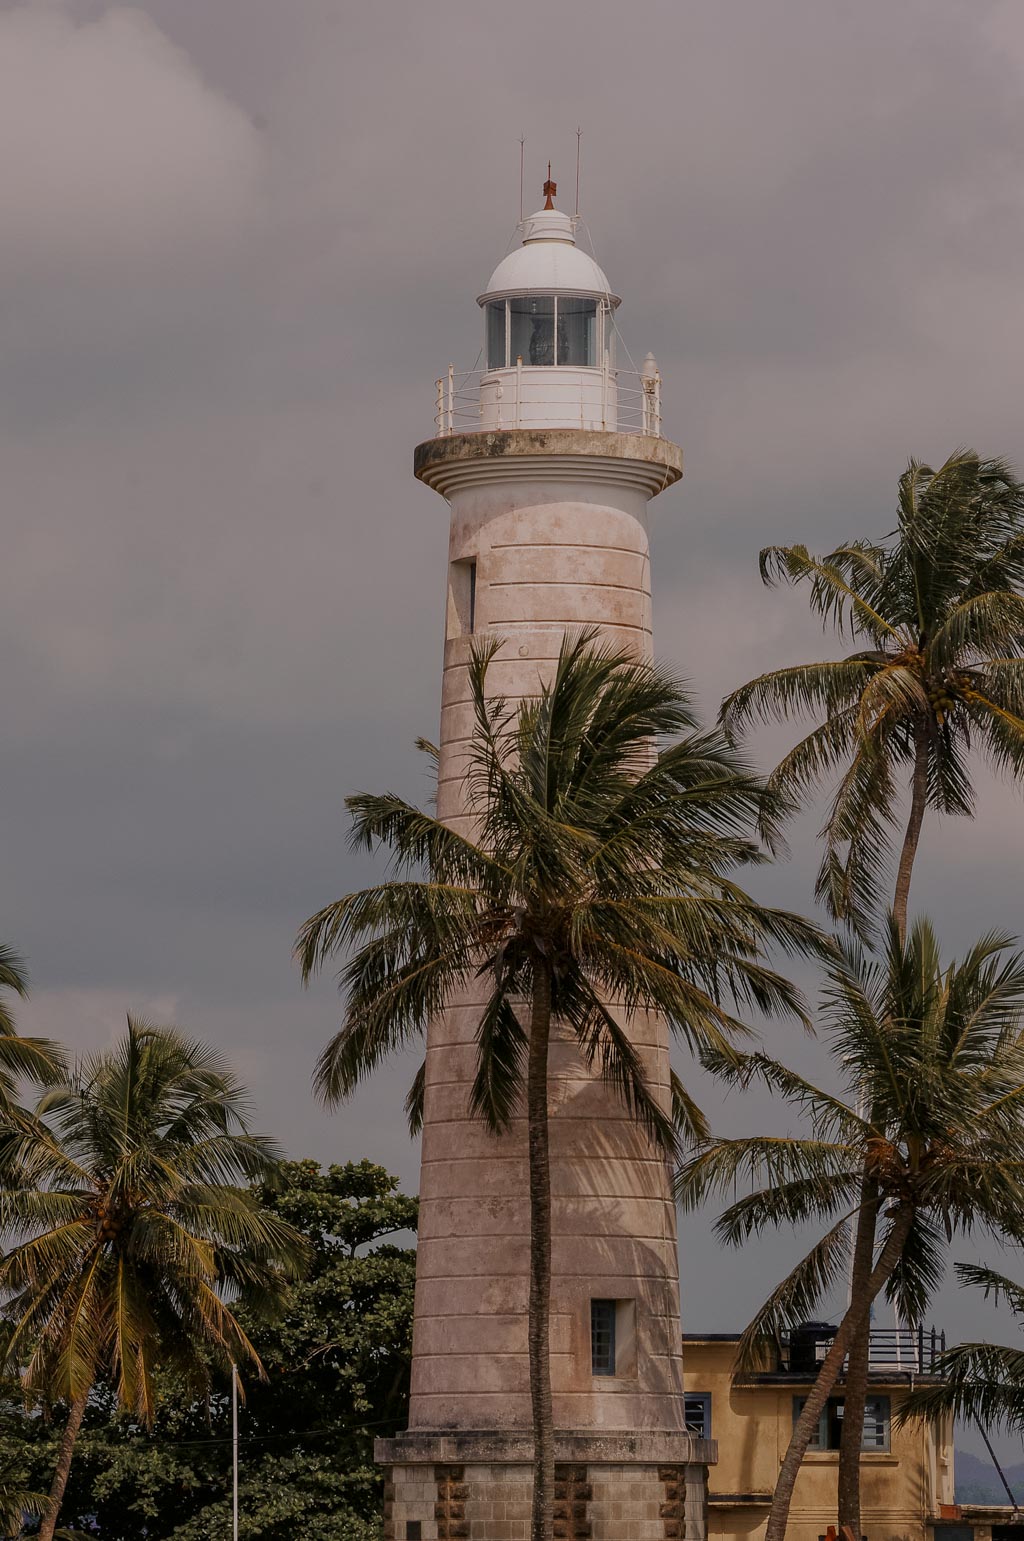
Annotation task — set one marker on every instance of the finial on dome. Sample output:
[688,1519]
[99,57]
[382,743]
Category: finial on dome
[550,189]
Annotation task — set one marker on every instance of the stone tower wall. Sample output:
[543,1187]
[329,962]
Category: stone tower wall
[559,540]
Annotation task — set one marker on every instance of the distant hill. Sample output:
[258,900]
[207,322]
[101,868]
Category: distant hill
[977,1481]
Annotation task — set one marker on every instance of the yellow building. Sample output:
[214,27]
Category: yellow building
[907,1478]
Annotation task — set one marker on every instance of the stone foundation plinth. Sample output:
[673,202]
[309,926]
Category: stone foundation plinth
[647,1486]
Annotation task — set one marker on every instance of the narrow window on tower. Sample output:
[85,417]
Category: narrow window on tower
[602,1337]
[462,599]
[613,1338]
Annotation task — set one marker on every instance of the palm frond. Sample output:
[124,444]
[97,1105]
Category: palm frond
[835,589]
[1003,1289]
[501,1046]
[830,687]
[414,1101]
[982,1381]
[690,1122]
[797,1297]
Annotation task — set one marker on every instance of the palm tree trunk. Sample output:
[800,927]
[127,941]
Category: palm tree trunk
[857,1365]
[542,1525]
[856,1391]
[918,798]
[76,1412]
[807,1422]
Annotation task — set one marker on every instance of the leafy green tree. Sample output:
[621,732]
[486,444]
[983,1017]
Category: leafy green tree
[932,1061]
[608,834]
[337,1363]
[936,622]
[337,1372]
[983,1381]
[129,1230]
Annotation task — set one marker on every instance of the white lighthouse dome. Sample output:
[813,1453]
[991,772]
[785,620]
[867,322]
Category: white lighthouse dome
[548,262]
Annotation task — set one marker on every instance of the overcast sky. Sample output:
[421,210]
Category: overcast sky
[240,241]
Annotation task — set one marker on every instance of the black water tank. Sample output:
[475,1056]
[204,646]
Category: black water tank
[808,1345]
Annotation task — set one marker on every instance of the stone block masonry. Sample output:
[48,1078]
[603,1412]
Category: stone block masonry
[612,1495]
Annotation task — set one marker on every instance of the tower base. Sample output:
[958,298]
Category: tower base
[645,1486]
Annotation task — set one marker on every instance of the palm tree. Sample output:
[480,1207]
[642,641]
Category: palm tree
[983,1381]
[13,977]
[34,1059]
[16,1506]
[130,1231]
[937,622]
[938,614]
[932,1061]
[599,884]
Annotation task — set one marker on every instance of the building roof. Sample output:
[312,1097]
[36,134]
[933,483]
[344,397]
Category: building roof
[548,262]
[712,1337]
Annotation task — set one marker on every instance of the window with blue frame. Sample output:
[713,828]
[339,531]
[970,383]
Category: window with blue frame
[830,1424]
[698,1414]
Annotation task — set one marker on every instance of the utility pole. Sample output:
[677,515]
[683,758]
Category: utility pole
[234,1452]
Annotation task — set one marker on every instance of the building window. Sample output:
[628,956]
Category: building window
[876,1424]
[602,1337]
[497,339]
[414,1530]
[462,599]
[613,1338]
[698,1414]
[576,333]
[543,329]
[532,329]
[830,1424]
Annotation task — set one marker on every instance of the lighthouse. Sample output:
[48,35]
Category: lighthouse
[548,457]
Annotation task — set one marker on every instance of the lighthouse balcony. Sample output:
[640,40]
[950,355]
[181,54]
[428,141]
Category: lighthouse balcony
[541,396]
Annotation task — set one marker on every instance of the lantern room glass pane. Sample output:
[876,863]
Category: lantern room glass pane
[496,336]
[577,333]
[533,329]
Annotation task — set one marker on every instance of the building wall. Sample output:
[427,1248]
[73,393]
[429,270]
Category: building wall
[752,1424]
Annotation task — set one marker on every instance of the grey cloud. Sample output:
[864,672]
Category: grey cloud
[116,154]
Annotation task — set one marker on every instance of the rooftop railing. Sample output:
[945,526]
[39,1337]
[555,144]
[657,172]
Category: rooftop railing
[903,1350]
[529,396]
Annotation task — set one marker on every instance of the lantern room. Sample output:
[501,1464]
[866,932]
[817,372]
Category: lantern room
[548,305]
[548,335]
[549,344]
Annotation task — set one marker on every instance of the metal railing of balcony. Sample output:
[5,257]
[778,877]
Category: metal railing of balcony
[904,1350]
[616,400]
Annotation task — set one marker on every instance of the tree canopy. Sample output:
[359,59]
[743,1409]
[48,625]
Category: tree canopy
[337,1366]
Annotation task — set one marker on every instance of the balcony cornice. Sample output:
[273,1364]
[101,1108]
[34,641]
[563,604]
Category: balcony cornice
[643,461]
